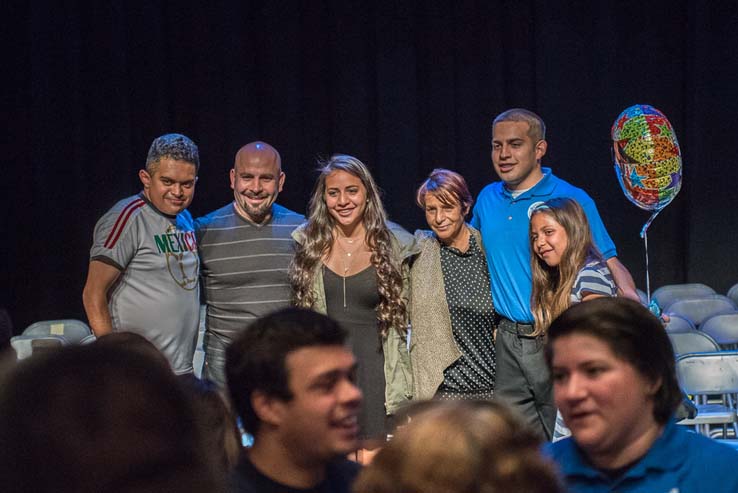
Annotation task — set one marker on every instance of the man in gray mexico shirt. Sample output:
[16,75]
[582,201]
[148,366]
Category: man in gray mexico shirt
[245,251]
[143,271]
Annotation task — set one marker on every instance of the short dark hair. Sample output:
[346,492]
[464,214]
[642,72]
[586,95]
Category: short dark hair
[537,128]
[173,146]
[448,186]
[256,359]
[634,335]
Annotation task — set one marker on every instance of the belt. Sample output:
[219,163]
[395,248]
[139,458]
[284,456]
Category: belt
[523,330]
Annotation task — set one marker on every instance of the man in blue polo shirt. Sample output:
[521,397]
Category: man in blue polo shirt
[502,214]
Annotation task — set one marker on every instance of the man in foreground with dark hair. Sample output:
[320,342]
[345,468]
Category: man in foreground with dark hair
[292,382]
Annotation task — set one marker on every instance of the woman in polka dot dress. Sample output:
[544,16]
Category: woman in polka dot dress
[451,309]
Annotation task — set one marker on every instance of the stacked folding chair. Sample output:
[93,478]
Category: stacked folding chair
[712,381]
[700,309]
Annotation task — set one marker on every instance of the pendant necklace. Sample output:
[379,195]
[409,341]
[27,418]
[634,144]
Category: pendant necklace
[346,260]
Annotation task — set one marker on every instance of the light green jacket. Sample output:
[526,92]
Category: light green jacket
[398,374]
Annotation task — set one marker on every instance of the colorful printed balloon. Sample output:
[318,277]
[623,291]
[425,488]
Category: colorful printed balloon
[648,161]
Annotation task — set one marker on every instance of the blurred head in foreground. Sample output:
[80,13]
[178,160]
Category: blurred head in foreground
[614,378]
[460,447]
[99,418]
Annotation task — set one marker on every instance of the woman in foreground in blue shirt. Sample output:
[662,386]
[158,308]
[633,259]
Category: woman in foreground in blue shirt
[615,384]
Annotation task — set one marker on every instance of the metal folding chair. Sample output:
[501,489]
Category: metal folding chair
[733,293]
[668,294]
[711,374]
[723,328]
[72,330]
[693,341]
[679,324]
[700,309]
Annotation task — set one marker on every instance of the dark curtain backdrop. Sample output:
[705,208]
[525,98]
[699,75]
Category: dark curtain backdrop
[404,86]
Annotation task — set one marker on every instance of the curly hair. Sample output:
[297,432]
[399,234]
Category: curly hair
[552,285]
[391,310]
[174,146]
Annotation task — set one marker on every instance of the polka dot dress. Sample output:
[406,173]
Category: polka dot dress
[469,298]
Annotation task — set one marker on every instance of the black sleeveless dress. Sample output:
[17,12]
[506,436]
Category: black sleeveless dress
[359,318]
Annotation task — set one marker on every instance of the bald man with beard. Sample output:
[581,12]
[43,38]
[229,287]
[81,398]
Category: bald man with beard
[245,249]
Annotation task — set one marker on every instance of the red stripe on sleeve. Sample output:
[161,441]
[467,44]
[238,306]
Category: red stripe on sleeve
[120,223]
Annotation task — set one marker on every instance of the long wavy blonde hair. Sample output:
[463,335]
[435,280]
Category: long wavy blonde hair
[552,285]
[391,310]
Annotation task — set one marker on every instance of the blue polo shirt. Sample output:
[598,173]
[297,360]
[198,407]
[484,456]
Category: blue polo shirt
[679,461]
[503,222]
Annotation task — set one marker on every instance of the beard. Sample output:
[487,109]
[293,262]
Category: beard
[258,213]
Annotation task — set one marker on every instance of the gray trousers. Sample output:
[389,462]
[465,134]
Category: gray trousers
[523,379]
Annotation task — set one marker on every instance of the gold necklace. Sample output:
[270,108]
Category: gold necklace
[346,260]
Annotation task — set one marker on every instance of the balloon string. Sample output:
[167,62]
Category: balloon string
[648,278]
[648,223]
[645,243]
